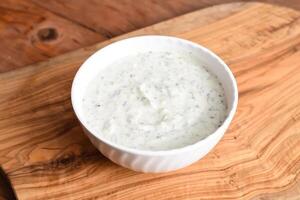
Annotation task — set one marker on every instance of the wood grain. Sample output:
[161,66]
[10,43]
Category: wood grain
[35,30]
[29,34]
[46,155]
[127,15]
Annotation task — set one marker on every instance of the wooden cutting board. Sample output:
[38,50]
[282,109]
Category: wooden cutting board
[46,155]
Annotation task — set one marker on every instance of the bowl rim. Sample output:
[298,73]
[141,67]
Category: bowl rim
[226,122]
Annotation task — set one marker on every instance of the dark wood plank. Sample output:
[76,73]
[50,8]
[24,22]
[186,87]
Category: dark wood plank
[114,17]
[29,34]
[6,191]
[34,30]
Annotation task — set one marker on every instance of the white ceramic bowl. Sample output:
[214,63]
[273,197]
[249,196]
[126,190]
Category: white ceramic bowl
[145,160]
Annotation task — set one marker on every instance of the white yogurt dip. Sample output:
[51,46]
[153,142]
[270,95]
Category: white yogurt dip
[154,101]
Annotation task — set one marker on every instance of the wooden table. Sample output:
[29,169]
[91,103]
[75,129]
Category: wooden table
[36,30]
[33,31]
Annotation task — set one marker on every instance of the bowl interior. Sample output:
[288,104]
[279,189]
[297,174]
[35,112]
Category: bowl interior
[102,58]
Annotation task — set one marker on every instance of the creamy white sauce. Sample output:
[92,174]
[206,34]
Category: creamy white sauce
[154,101]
